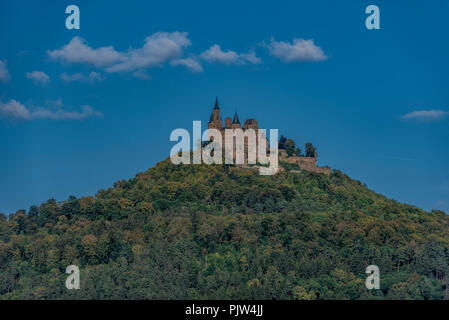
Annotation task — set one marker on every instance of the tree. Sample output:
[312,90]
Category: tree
[298,151]
[299,293]
[70,207]
[282,141]
[49,212]
[290,147]
[33,213]
[310,150]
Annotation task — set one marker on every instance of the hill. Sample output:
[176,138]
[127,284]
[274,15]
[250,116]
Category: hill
[220,232]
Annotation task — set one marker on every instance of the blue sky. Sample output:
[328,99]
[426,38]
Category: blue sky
[81,109]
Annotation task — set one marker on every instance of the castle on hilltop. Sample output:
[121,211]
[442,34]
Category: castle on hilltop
[307,163]
[216,122]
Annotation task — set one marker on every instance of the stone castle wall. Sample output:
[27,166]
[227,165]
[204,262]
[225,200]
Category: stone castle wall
[305,163]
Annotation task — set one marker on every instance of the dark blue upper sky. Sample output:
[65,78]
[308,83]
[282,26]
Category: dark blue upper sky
[80,109]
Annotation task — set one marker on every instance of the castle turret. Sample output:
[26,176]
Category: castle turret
[215,119]
[236,122]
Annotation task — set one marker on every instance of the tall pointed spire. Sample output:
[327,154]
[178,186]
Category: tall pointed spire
[216,104]
[236,119]
[215,118]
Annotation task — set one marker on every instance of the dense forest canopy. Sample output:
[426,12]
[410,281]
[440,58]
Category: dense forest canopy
[220,232]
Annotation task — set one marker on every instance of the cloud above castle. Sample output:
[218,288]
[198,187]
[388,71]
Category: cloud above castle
[170,48]
[299,50]
[15,111]
[425,115]
[39,77]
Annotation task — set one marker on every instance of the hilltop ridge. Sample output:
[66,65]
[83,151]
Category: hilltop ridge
[221,232]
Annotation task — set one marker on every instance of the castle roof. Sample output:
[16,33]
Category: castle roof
[236,119]
[251,121]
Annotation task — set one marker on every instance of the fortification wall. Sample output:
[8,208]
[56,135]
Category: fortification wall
[306,163]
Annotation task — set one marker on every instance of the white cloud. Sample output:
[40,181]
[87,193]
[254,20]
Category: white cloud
[425,115]
[190,63]
[158,49]
[95,77]
[59,114]
[14,110]
[299,50]
[251,57]
[215,55]
[38,77]
[4,74]
[76,51]
[73,77]
[92,77]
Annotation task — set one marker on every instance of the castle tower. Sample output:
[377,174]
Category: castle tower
[236,122]
[228,123]
[215,119]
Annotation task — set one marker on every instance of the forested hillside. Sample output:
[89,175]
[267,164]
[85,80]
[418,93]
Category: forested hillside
[215,232]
